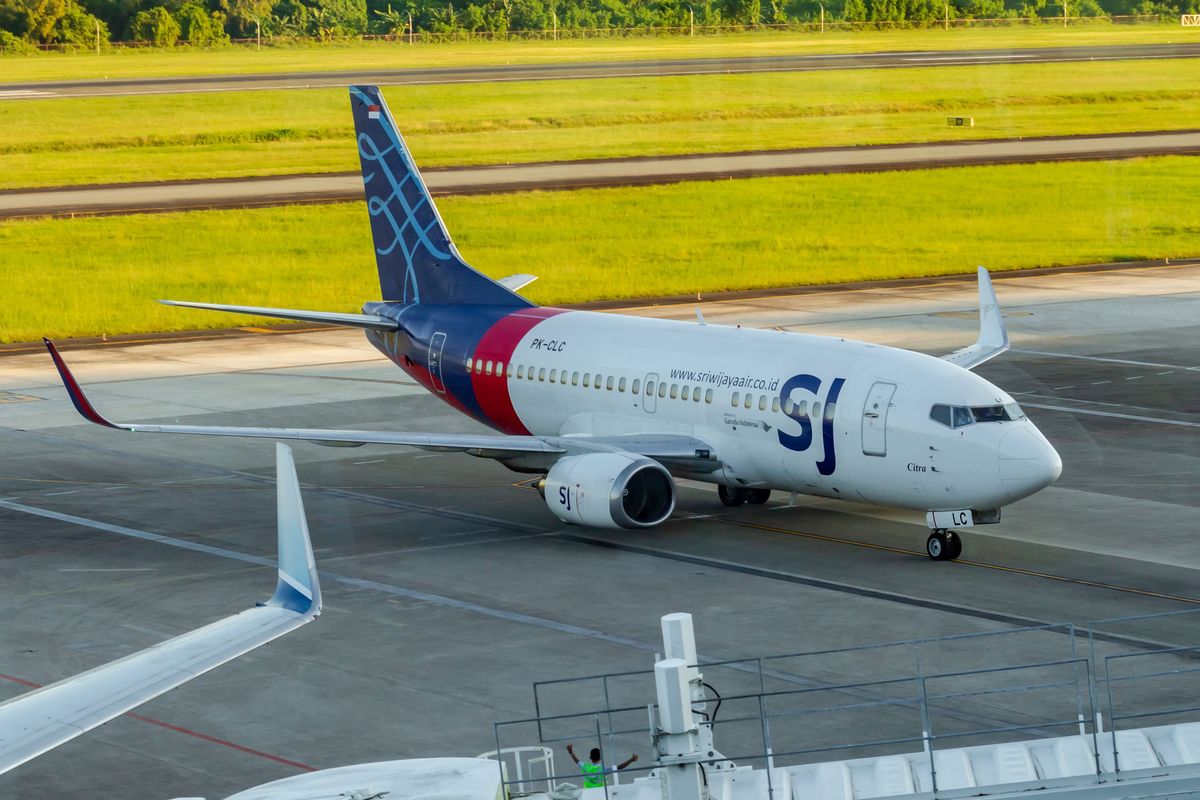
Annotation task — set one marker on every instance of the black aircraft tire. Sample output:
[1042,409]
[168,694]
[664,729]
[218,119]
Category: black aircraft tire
[756,497]
[731,495]
[954,545]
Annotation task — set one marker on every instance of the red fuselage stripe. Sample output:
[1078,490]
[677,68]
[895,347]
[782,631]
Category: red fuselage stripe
[498,346]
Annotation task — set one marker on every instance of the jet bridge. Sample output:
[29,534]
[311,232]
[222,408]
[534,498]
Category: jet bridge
[1055,711]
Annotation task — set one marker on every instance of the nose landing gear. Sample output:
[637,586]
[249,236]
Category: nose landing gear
[943,545]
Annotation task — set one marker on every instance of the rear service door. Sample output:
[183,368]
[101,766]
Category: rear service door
[874,424]
[436,345]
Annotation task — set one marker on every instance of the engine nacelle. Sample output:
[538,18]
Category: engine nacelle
[610,490]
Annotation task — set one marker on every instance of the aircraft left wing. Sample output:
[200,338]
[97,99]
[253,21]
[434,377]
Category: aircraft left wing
[41,720]
[993,336]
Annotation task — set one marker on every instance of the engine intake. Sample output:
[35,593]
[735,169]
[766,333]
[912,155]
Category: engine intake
[610,490]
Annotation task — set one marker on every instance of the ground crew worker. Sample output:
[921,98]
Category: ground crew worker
[593,770]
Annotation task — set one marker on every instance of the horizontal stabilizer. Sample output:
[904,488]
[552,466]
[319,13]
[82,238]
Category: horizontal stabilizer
[993,336]
[515,283]
[41,720]
[370,321]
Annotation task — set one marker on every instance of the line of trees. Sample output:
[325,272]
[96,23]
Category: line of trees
[212,23]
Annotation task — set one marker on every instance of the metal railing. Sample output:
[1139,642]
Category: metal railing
[772,720]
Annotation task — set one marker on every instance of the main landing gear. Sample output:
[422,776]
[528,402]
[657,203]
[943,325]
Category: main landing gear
[735,495]
[943,545]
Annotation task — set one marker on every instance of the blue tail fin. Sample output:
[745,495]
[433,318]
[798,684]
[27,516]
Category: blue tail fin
[417,261]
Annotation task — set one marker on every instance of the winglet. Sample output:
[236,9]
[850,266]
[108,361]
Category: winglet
[992,333]
[297,588]
[993,336]
[78,399]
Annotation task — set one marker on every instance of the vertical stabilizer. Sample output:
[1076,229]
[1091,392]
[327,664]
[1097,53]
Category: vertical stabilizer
[417,261]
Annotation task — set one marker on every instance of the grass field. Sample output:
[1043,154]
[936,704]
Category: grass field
[390,55]
[100,140]
[84,277]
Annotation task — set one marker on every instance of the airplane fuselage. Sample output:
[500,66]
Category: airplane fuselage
[811,414]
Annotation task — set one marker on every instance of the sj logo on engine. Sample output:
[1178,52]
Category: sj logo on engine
[799,413]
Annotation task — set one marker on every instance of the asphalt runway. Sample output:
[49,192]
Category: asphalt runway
[449,588]
[578,71]
[293,189]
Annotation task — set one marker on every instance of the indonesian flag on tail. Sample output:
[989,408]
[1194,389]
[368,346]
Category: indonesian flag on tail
[373,112]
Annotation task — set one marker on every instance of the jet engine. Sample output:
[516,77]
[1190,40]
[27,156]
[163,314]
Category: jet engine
[609,490]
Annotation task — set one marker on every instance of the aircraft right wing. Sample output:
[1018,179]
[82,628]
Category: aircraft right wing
[529,452]
[41,720]
[485,445]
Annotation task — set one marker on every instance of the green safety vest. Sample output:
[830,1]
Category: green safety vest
[593,775]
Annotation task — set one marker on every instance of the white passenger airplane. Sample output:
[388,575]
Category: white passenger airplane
[38,721]
[612,408]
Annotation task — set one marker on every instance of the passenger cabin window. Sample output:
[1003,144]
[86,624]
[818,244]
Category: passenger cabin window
[708,396]
[762,402]
[802,408]
[737,396]
[621,386]
[696,394]
[587,379]
[649,387]
[636,384]
[830,410]
[788,406]
[609,384]
[554,376]
[487,369]
[541,373]
[470,363]
[574,378]
[662,389]
[816,410]
[775,404]
[749,401]
[674,391]
[520,371]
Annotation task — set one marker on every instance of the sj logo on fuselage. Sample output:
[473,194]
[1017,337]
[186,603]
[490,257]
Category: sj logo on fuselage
[811,384]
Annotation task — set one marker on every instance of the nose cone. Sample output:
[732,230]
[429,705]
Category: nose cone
[1028,462]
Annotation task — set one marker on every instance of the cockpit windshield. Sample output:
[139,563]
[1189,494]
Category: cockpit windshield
[961,416]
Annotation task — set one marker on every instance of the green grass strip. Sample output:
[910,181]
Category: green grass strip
[141,63]
[122,139]
[84,277]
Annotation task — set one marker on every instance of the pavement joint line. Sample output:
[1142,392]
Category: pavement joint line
[1131,417]
[413,594]
[361,583]
[1106,360]
[878,594]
